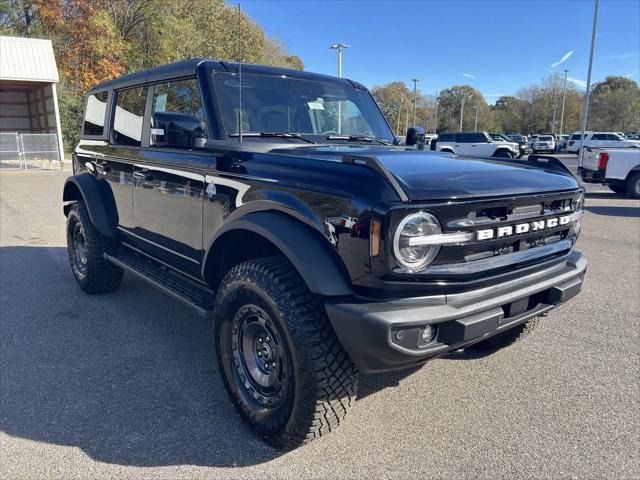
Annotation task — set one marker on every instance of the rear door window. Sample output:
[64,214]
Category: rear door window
[95,114]
[128,117]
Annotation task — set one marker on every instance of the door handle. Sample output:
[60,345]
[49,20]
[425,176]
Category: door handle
[144,175]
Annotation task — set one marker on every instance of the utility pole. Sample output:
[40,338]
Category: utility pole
[564,93]
[399,112]
[339,47]
[555,106]
[415,98]
[585,110]
[476,108]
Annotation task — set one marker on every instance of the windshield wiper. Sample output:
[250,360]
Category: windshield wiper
[273,134]
[358,138]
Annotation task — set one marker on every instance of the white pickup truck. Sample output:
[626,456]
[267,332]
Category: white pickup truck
[619,168]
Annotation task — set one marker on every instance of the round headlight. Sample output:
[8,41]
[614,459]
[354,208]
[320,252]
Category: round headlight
[411,255]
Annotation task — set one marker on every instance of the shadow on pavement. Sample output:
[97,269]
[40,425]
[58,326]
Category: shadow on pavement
[629,212]
[129,377]
[605,196]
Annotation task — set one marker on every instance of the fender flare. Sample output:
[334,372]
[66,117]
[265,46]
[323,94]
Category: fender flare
[318,264]
[98,198]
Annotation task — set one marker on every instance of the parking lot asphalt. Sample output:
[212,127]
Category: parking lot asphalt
[125,385]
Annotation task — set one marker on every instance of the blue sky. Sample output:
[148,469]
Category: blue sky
[495,46]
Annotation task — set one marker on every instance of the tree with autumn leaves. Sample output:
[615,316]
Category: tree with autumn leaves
[97,40]
[614,106]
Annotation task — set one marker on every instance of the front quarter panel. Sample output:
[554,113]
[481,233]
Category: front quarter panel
[329,197]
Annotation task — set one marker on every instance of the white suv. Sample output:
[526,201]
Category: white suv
[600,140]
[476,144]
[543,143]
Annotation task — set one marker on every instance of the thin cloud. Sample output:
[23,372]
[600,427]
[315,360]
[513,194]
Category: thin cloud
[630,74]
[564,58]
[577,81]
[469,75]
[623,56]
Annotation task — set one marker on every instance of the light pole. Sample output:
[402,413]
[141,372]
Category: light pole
[555,105]
[585,110]
[462,108]
[339,47]
[476,108]
[399,111]
[415,98]
[435,116]
[564,93]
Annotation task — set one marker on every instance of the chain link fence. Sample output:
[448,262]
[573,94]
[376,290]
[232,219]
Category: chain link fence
[29,150]
[10,153]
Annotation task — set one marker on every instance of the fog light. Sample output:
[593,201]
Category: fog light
[427,334]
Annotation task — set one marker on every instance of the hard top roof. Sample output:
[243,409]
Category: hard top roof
[187,68]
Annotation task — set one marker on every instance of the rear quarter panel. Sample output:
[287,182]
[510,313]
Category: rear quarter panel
[621,162]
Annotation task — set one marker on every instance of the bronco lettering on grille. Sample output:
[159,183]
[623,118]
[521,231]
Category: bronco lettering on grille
[521,228]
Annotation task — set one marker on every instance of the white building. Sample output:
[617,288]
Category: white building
[28,77]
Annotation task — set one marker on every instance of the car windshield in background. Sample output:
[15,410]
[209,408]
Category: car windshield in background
[545,138]
[311,109]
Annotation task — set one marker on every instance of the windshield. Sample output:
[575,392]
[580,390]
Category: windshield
[545,138]
[310,108]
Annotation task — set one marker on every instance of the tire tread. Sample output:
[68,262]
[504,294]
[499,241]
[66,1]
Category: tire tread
[330,379]
[103,276]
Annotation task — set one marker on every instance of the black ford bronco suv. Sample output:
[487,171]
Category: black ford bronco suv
[278,204]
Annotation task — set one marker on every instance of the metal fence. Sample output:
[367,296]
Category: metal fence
[29,150]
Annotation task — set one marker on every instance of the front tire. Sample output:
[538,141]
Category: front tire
[504,339]
[502,154]
[281,362]
[86,248]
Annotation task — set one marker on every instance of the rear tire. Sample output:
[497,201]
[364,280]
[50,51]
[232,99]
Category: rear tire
[507,338]
[633,186]
[86,248]
[281,362]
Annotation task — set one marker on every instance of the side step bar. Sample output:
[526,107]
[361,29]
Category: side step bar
[180,287]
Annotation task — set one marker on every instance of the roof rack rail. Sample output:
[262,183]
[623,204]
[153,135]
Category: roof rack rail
[378,166]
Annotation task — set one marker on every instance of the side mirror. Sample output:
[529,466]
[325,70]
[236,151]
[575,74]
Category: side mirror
[415,136]
[177,130]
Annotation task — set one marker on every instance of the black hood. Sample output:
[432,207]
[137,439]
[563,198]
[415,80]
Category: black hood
[426,175]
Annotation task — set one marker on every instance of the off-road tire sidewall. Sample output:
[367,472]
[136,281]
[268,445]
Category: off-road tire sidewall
[101,276]
[265,422]
[323,379]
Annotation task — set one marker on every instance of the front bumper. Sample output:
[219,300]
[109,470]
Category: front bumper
[370,331]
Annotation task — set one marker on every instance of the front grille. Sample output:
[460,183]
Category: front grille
[494,217]
[476,259]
